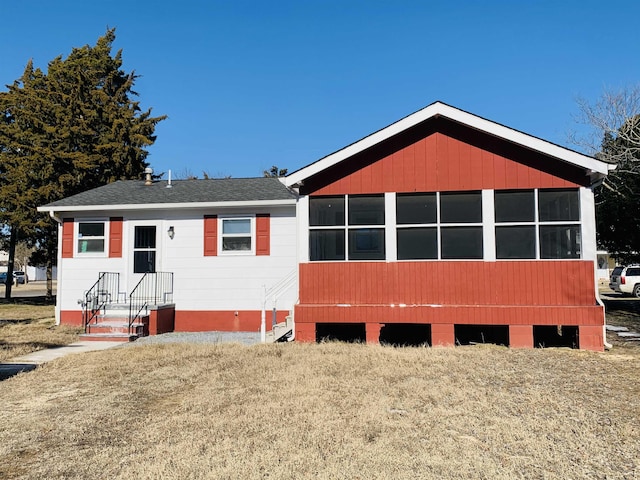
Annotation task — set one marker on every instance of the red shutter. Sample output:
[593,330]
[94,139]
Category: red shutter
[67,238]
[115,237]
[263,234]
[210,235]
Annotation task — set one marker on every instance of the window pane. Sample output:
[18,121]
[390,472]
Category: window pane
[326,211]
[366,210]
[461,207]
[559,205]
[326,245]
[145,237]
[366,244]
[240,244]
[236,225]
[516,242]
[417,243]
[560,241]
[92,245]
[91,229]
[515,206]
[461,242]
[416,208]
[144,261]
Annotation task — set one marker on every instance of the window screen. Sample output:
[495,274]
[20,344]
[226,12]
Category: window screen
[417,243]
[558,205]
[461,207]
[461,242]
[419,208]
[366,244]
[366,210]
[515,206]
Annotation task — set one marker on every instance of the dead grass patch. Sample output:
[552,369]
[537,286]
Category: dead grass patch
[331,410]
[28,328]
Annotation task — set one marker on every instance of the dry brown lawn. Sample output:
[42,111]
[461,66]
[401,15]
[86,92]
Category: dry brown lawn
[327,411]
[26,328]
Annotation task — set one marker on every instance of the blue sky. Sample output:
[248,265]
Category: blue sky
[250,84]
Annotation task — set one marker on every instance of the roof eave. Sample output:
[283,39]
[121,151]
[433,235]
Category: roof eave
[166,206]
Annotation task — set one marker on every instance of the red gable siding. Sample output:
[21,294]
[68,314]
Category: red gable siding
[444,157]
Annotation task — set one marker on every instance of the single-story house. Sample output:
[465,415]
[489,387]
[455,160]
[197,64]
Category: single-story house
[442,228]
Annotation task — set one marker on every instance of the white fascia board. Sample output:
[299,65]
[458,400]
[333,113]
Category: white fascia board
[440,109]
[168,206]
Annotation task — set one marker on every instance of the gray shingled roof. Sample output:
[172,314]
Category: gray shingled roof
[135,192]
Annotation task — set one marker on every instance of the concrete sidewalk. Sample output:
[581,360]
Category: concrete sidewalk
[30,361]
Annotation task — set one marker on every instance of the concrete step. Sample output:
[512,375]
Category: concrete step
[108,337]
[115,325]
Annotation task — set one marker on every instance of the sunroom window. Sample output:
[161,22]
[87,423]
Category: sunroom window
[459,238]
[446,225]
[353,233]
[538,224]
[417,232]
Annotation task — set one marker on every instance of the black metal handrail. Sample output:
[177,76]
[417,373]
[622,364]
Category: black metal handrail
[152,289]
[105,291]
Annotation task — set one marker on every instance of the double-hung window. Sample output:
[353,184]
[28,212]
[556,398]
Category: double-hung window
[91,238]
[237,235]
[354,233]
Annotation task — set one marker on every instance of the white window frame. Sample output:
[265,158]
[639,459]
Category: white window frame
[78,237]
[222,235]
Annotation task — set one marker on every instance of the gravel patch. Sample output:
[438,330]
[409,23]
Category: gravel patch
[245,338]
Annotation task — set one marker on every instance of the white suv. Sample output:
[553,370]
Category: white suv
[626,280]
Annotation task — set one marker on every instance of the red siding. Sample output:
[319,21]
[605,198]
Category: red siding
[210,235]
[115,237]
[501,293]
[71,317]
[440,162]
[67,238]
[263,234]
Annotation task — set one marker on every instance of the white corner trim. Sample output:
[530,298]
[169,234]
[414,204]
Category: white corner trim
[440,109]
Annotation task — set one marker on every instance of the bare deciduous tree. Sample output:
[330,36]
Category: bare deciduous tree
[614,117]
[613,135]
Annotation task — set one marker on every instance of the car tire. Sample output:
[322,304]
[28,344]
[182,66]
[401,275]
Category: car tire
[636,291]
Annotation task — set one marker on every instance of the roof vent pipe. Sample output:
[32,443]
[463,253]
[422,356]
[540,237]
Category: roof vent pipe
[147,176]
[169,182]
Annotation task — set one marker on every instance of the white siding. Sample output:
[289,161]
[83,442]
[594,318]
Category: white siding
[219,282]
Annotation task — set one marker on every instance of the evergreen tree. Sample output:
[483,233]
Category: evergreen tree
[73,128]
